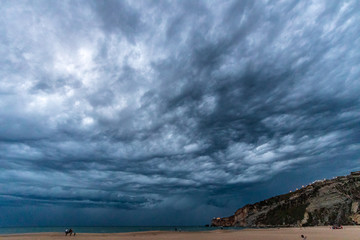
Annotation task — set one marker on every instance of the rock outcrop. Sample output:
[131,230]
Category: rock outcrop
[327,202]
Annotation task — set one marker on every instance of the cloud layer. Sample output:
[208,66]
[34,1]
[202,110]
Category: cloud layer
[134,104]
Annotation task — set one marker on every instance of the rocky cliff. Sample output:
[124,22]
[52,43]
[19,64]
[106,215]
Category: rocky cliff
[326,202]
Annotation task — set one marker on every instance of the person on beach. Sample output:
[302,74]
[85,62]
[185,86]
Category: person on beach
[70,232]
[337,227]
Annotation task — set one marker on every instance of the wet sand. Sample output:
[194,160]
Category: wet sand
[312,233]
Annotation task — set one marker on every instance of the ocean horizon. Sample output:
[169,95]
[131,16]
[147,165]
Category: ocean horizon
[118,229]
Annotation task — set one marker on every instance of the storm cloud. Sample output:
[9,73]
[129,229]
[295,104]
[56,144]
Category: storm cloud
[181,105]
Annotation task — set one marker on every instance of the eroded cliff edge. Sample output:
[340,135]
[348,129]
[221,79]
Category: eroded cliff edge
[326,202]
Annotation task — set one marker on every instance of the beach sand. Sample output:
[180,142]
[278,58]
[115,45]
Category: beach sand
[312,233]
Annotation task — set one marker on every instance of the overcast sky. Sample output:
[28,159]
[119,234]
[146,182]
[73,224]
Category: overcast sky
[171,112]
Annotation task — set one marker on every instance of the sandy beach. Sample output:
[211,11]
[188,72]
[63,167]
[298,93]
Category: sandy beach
[312,233]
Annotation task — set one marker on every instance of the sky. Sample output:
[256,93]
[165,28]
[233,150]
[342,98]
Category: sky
[171,112]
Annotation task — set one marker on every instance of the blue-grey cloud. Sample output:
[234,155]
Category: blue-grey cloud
[174,105]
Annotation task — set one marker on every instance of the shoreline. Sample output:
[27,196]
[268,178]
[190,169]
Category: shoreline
[312,233]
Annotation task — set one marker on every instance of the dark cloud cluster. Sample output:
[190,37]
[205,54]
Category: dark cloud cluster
[174,105]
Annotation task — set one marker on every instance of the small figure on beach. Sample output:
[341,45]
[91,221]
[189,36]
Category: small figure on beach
[337,227]
[70,232]
[303,237]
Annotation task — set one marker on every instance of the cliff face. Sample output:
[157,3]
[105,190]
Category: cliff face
[327,202]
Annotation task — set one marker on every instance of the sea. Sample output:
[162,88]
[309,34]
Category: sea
[122,229]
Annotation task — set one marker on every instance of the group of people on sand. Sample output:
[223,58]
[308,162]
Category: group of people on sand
[337,227]
[70,232]
[303,237]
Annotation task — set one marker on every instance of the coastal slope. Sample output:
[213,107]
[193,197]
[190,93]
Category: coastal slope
[325,202]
